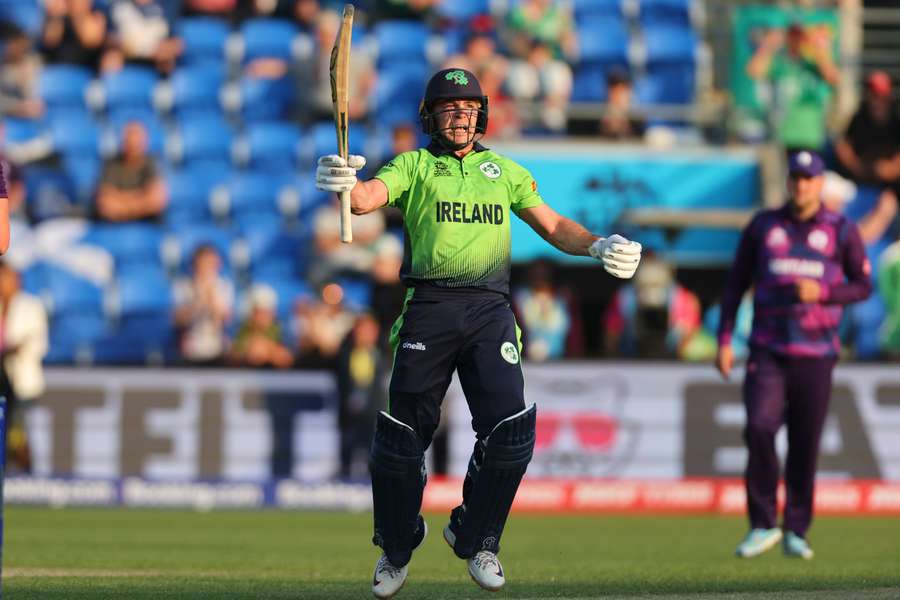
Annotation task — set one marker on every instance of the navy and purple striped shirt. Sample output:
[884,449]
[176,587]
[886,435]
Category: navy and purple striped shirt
[776,250]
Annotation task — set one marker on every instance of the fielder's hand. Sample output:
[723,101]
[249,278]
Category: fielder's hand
[334,174]
[619,256]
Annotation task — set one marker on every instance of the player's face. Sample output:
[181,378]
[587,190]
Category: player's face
[456,119]
[806,192]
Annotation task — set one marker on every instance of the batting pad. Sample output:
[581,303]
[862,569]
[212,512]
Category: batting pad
[397,466]
[495,471]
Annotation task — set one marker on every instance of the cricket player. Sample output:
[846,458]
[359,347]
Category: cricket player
[457,198]
[805,263]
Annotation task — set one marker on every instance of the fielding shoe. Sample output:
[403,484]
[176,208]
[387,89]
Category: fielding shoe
[484,567]
[795,546]
[757,542]
[388,579]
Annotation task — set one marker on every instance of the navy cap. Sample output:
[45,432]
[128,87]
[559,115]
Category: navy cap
[806,163]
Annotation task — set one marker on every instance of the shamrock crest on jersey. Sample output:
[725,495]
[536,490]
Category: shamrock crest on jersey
[491,170]
[457,77]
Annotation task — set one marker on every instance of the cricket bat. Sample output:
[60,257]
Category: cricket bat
[340,91]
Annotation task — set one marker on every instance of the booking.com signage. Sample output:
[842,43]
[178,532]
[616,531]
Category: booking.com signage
[596,185]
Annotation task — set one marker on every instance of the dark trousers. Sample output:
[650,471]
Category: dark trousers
[784,390]
[442,331]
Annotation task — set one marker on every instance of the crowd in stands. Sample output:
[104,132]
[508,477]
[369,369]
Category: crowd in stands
[159,157]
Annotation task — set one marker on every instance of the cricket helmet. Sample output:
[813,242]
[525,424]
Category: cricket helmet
[452,84]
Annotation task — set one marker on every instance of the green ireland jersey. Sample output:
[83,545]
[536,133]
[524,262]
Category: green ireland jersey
[456,215]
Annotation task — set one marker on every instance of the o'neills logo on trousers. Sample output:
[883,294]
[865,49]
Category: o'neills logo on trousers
[413,346]
[460,212]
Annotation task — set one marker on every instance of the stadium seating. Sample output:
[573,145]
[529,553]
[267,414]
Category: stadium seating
[206,138]
[189,190]
[128,243]
[265,38]
[670,58]
[139,289]
[28,15]
[262,99]
[401,41]
[251,194]
[130,89]
[671,12]
[62,291]
[273,147]
[461,11]
[597,8]
[182,240]
[192,90]
[204,40]
[398,91]
[111,140]
[64,87]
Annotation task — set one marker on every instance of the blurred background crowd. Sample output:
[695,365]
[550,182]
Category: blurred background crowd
[159,156]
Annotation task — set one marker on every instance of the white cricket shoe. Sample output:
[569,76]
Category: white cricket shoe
[484,567]
[388,579]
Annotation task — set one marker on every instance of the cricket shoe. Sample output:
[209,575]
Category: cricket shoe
[757,542]
[796,547]
[484,568]
[388,579]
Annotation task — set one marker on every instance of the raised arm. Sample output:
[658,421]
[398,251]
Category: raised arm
[619,256]
[334,174]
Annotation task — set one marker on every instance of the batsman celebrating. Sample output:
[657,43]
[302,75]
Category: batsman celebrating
[456,197]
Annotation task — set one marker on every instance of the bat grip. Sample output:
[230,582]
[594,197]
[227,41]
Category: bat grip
[346,230]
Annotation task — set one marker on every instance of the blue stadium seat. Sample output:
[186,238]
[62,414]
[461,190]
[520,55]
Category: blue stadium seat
[49,192]
[192,89]
[401,41]
[137,340]
[18,130]
[62,291]
[77,329]
[253,194]
[207,138]
[461,11]
[268,250]
[398,91]
[140,289]
[324,140]
[268,38]
[128,243]
[204,40]
[273,147]
[189,192]
[595,8]
[63,87]
[671,12]
[603,40]
[266,99]
[667,84]
[667,44]
[131,88]
[357,293]
[75,133]
[83,173]
[589,83]
[310,197]
[28,15]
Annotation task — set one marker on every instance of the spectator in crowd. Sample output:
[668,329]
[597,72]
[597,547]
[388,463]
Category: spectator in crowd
[74,32]
[654,317]
[481,57]
[869,150]
[131,188]
[306,14]
[544,315]
[258,342]
[543,22]
[361,382]
[15,186]
[362,73]
[212,8]
[541,78]
[889,290]
[618,121]
[388,293]
[801,71]
[334,258]
[23,344]
[320,326]
[142,34]
[204,309]
[410,10]
[18,77]
[838,191]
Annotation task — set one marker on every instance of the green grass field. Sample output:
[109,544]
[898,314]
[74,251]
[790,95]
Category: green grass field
[143,554]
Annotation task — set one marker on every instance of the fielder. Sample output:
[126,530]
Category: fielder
[804,263]
[457,198]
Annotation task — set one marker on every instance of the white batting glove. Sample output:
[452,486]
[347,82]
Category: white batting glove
[620,257]
[334,174]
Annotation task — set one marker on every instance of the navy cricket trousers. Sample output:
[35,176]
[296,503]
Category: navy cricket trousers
[794,391]
[471,331]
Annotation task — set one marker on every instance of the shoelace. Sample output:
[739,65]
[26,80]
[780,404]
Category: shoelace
[487,560]
[385,567]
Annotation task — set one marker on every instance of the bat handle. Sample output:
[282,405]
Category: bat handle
[346,230]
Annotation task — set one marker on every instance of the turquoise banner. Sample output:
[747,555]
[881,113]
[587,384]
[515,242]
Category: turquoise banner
[597,190]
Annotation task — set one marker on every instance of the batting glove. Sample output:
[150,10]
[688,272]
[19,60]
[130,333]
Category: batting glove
[334,174]
[620,257]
